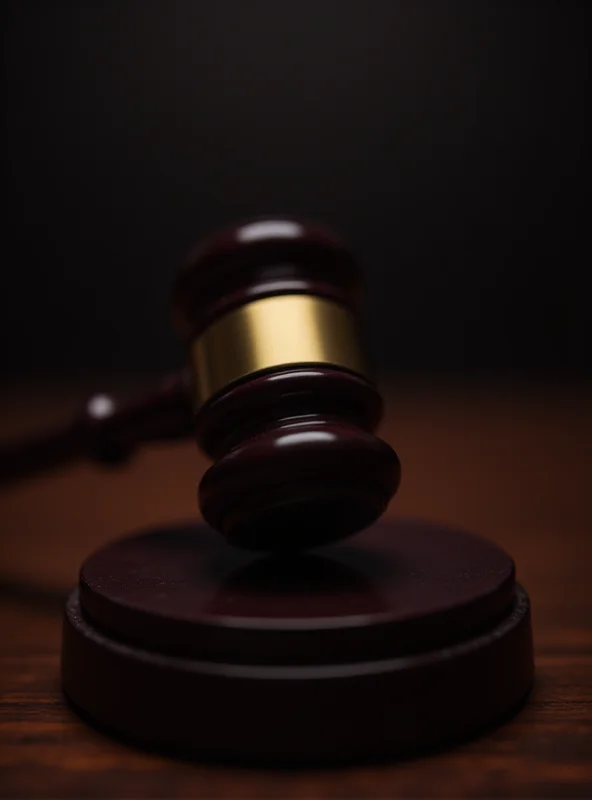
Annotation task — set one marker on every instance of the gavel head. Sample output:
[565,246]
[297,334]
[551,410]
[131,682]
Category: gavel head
[283,404]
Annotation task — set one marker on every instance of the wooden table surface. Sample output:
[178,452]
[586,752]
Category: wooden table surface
[512,463]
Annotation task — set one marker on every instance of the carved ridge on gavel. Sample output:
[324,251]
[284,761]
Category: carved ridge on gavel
[277,393]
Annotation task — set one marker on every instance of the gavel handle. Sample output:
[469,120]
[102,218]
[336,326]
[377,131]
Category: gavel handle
[105,433]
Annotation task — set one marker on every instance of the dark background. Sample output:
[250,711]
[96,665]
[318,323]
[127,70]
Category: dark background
[447,141]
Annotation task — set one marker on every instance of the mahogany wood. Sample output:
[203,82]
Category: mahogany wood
[415,635]
[298,464]
[295,447]
[259,258]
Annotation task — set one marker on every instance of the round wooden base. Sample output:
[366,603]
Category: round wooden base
[411,635]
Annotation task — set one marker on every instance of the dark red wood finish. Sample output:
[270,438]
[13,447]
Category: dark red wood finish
[394,590]
[297,463]
[364,650]
[310,394]
[107,431]
[236,266]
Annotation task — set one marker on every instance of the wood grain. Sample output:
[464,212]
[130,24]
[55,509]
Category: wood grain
[512,463]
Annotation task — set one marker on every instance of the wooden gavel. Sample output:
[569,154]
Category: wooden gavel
[276,393]
[416,636]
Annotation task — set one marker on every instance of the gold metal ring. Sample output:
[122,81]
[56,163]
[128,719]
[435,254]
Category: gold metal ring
[274,332]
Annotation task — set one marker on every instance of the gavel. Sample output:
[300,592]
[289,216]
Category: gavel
[277,393]
[414,635]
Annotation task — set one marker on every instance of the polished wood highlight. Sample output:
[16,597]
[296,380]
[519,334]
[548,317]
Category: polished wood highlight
[512,463]
[260,258]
